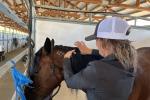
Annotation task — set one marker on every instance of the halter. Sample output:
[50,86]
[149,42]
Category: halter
[53,67]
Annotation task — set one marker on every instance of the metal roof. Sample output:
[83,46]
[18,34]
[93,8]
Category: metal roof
[73,10]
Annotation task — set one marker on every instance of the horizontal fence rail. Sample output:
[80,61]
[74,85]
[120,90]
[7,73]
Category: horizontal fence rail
[4,68]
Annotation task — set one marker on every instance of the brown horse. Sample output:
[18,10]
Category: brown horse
[47,71]
[141,88]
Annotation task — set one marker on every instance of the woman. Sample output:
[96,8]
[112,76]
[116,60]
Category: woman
[112,77]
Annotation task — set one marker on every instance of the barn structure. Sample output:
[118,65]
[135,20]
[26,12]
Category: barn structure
[66,21]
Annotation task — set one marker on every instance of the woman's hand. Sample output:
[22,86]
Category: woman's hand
[69,54]
[83,48]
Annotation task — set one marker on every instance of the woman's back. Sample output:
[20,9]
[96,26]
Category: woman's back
[112,81]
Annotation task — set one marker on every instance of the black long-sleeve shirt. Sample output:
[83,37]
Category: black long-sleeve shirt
[95,52]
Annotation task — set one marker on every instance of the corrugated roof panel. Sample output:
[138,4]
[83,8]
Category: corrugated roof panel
[129,2]
[141,13]
[145,5]
[126,11]
[98,8]
[116,8]
[91,6]
[11,1]
[81,4]
[87,19]
[18,1]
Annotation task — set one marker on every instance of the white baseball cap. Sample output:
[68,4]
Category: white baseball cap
[111,28]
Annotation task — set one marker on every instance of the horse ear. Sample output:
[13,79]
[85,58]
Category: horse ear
[53,42]
[52,45]
[47,45]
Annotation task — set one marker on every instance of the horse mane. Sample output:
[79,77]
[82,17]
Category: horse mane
[66,48]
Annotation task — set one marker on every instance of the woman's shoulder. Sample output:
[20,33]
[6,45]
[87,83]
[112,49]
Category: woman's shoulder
[104,64]
[105,60]
[107,70]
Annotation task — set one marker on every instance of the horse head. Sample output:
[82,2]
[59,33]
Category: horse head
[47,70]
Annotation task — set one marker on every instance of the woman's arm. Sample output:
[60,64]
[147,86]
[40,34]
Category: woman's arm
[82,80]
[84,49]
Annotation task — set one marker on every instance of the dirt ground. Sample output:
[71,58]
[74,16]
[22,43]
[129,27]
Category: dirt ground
[68,94]
[6,83]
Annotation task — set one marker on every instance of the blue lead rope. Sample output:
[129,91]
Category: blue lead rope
[20,80]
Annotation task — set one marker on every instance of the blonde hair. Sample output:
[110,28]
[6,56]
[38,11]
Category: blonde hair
[122,49]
